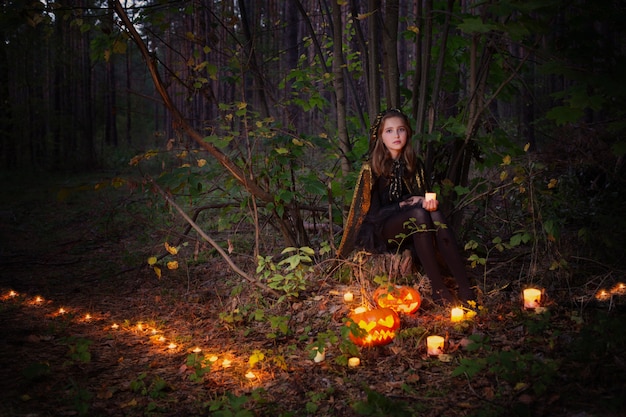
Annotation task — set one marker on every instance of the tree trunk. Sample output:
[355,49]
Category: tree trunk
[390,53]
[257,74]
[291,234]
[373,75]
[340,91]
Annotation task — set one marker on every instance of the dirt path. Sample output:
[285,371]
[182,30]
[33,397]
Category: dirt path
[87,328]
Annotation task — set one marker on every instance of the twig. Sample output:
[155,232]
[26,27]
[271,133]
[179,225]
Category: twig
[217,247]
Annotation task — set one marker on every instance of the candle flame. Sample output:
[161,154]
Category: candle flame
[172,346]
[603,295]
[197,350]
[115,326]
[619,289]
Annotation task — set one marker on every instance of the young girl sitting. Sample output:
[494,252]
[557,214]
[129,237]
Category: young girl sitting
[389,202]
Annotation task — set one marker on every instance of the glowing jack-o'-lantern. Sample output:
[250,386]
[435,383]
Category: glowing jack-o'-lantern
[377,326]
[400,298]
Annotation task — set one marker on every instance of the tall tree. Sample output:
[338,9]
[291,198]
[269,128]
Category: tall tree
[339,84]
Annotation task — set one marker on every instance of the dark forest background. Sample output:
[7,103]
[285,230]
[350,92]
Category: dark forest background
[154,153]
[277,96]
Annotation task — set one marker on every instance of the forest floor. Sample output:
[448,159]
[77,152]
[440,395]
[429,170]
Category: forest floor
[88,329]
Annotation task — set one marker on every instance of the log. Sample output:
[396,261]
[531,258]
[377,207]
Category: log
[397,268]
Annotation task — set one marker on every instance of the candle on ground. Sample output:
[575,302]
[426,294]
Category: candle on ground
[532,298]
[348,297]
[435,345]
[456,314]
[354,362]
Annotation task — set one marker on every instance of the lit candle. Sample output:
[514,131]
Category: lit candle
[12,293]
[197,350]
[435,345]
[430,196]
[619,289]
[61,311]
[115,326]
[532,298]
[360,310]
[226,363]
[213,358]
[603,295]
[319,355]
[348,297]
[250,375]
[354,362]
[456,314]
[172,346]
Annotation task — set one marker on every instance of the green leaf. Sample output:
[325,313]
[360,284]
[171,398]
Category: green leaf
[563,115]
[476,25]
[218,142]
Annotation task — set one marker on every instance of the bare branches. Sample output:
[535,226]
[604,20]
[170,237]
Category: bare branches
[213,243]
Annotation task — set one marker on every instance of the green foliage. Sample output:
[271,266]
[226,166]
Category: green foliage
[230,405]
[288,275]
[315,398]
[520,370]
[323,340]
[154,388]
[200,366]
[81,398]
[378,405]
[279,325]
[36,371]
[79,349]
[256,357]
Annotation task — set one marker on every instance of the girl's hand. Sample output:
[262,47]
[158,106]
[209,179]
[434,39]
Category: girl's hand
[414,200]
[430,205]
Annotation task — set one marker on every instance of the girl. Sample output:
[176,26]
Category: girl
[389,202]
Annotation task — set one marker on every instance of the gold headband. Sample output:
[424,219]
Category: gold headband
[376,125]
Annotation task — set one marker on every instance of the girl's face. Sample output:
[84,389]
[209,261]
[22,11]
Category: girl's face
[394,134]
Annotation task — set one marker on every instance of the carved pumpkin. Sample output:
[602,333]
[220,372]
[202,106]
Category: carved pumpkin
[400,298]
[379,326]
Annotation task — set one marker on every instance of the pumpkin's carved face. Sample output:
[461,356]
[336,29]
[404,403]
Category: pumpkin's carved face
[400,298]
[377,326]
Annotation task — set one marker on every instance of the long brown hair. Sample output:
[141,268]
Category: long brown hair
[380,157]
